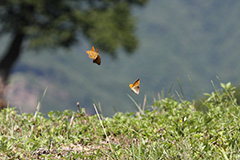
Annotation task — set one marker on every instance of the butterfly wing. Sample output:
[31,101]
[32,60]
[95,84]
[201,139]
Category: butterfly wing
[97,60]
[93,49]
[136,89]
[135,86]
[94,55]
[137,82]
[91,54]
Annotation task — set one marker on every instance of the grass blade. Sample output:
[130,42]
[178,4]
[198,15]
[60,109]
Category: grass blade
[139,108]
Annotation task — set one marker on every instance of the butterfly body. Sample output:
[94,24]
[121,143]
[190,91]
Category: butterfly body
[135,86]
[94,55]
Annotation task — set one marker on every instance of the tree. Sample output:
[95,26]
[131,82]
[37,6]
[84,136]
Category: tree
[108,24]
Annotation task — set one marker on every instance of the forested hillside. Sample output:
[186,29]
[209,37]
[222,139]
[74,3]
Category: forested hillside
[183,40]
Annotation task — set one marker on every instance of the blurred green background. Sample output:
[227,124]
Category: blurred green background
[177,40]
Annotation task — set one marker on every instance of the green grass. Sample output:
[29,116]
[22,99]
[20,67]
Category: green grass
[167,129]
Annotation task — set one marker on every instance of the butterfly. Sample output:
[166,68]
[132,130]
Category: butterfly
[94,55]
[135,86]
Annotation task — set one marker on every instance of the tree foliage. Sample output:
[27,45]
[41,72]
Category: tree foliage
[106,23]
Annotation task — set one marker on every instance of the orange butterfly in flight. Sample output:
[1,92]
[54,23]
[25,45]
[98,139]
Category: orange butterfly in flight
[94,55]
[135,86]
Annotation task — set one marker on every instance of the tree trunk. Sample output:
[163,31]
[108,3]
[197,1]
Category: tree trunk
[9,59]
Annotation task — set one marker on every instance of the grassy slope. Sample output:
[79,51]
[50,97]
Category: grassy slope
[168,129]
